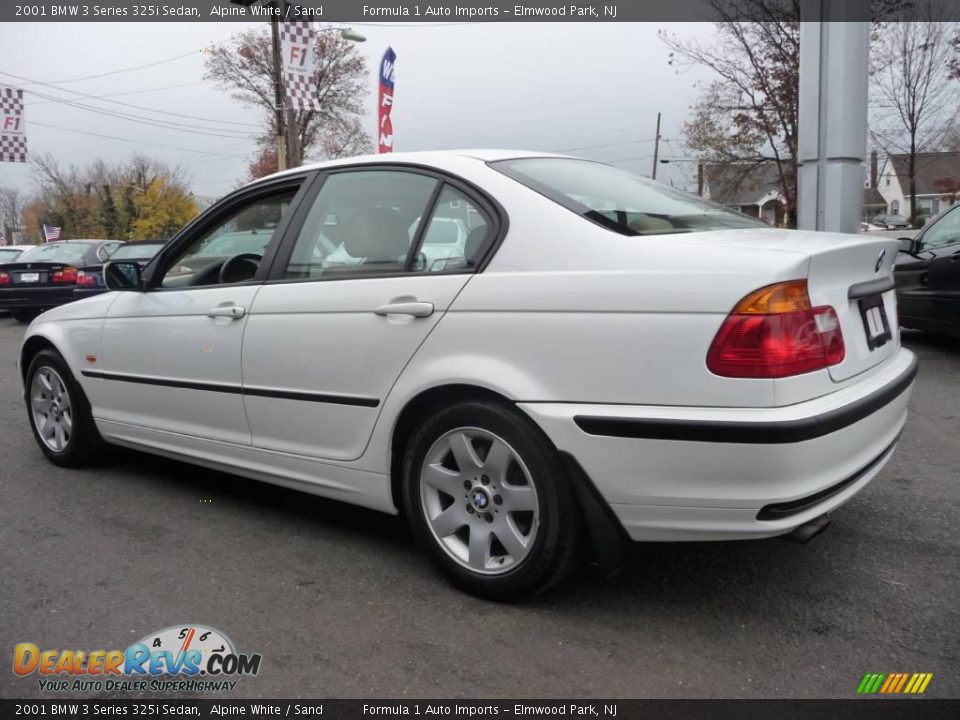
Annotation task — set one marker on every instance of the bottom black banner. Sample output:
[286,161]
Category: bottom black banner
[874,709]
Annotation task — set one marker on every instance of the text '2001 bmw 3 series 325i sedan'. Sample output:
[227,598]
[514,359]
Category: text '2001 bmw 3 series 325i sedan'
[529,356]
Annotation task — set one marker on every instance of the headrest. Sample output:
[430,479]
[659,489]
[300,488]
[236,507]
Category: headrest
[474,242]
[377,234]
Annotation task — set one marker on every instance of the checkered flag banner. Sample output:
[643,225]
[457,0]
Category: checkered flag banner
[13,135]
[299,65]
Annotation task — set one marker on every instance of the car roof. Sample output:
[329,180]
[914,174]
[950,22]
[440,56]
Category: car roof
[425,157]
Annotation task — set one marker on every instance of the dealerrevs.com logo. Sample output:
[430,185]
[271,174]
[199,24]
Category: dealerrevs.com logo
[181,658]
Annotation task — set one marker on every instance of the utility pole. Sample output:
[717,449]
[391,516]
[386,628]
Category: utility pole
[278,89]
[656,147]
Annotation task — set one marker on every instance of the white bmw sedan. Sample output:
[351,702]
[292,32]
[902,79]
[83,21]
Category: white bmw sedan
[595,357]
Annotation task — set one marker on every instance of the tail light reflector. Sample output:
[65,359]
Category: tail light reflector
[86,279]
[4,278]
[65,274]
[774,332]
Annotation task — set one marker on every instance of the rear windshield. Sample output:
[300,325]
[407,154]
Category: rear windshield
[619,200]
[8,254]
[55,252]
[136,251]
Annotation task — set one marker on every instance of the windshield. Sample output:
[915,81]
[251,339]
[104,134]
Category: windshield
[619,200]
[9,254]
[136,250]
[55,252]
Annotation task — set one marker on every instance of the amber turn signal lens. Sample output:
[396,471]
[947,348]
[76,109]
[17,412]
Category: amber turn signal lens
[784,297]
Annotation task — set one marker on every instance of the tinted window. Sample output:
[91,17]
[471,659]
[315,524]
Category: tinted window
[361,223]
[55,252]
[621,201]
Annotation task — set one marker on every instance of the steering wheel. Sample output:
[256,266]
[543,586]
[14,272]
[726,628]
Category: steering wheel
[231,270]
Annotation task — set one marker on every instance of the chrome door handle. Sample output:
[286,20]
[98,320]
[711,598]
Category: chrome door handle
[231,311]
[416,309]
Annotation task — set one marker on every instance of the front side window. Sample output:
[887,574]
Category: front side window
[620,201]
[361,223]
[946,231]
[231,251]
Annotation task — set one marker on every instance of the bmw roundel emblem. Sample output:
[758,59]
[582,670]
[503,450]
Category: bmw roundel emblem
[480,499]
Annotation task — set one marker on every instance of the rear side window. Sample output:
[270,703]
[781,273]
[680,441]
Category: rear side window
[456,237]
[620,201]
[362,223]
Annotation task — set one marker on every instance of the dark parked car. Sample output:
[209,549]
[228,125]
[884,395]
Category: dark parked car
[46,275]
[90,277]
[928,277]
[891,222]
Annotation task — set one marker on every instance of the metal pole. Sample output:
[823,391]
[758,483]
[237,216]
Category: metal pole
[278,90]
[832,143]
[656,147]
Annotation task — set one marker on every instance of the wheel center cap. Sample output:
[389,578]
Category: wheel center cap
[480,499]
[55,409]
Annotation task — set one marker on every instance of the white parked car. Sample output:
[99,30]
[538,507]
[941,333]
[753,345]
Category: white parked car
[609,359]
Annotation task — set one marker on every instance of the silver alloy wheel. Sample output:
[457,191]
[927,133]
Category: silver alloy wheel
[479,500]
[52,412]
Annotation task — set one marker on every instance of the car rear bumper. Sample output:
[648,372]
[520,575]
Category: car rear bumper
[35,297]
[679,473]
[81,293]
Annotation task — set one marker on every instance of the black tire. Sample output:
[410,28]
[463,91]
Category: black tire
[557,546]
[84,443]
[24,316]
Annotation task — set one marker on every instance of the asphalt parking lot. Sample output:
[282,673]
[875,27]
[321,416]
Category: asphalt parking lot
[341,604]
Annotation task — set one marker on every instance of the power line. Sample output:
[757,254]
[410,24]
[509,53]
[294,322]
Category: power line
[135,141]
[138,67]
[118,102]
[604,145]
[126,92]
[165,124]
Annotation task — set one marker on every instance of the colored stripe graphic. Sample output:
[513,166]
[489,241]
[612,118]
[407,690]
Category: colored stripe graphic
[894,683]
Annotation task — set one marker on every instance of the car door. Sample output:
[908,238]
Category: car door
[170,356]
[928,281]
[350,299]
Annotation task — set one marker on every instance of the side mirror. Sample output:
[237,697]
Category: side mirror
[907,245]
[122,275]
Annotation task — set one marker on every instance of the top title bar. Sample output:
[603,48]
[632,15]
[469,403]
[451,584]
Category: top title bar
[401,11]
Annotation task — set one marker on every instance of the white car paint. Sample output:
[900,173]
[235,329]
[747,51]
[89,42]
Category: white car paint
[567,319]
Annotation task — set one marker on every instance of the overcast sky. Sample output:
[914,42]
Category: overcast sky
[549,86]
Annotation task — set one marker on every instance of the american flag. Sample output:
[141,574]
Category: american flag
[3,238]
[51,233]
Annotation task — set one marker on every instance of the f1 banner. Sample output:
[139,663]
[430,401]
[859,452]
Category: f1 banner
[299,64]
[385,129]
[13,134]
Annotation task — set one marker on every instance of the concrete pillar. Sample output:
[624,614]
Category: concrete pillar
[832,143]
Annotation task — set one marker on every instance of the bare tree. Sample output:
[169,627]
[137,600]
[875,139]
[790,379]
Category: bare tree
[915,96]
[12,204]
[244,68]
[748,115]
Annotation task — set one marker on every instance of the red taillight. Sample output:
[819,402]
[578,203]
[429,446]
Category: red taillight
[86,278]
[64,275]
[774,333]
[4,278]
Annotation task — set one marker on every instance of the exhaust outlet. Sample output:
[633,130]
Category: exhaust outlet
[808,531]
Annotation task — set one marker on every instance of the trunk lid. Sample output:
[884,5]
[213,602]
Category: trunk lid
[837,263]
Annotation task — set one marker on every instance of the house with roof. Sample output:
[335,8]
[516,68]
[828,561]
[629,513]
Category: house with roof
[750,188]
[936,174]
